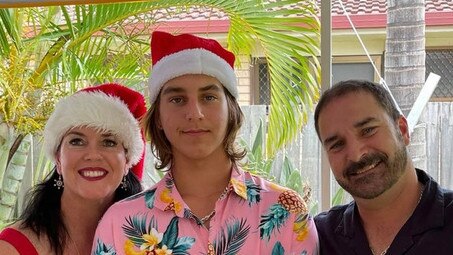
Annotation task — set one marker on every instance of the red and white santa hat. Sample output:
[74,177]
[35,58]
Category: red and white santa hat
[108,107]
[174,56]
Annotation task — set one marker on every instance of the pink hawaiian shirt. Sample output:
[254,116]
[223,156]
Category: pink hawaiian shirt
[253,216]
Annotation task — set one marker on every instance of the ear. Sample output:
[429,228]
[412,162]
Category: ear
[404,129]
[159,124]
[57,162]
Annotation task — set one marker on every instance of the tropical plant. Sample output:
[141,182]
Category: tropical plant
[46,53]
[283,173]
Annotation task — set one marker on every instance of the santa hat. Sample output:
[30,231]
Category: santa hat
[174,56]
[108,107]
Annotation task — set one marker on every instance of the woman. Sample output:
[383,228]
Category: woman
[95,140]
[205,204]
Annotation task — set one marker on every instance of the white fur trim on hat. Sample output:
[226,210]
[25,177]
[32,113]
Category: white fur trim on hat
[98,110]
[191,61]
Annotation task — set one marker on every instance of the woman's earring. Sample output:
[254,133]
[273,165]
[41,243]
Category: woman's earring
[123,183]
[58,182]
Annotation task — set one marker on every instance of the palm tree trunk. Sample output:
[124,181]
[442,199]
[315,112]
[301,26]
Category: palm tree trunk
[405,64]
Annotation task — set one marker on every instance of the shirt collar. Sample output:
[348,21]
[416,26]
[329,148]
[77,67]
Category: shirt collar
[168,198]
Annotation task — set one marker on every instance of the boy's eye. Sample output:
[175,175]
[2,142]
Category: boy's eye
[109,143]
[210,98]
[176,100]
[77,141]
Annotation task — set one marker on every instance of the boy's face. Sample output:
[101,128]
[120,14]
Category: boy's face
[194,116]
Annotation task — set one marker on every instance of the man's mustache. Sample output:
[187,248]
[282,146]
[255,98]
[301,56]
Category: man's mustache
[365,161]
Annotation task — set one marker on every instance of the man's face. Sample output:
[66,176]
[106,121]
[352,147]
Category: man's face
[365,147]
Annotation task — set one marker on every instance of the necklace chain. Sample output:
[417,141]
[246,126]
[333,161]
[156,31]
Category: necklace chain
[385,250]
[209,216]
[382,253]
[75,244]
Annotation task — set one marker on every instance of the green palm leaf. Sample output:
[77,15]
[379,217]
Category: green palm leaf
[103,249]
[231,240]
[136,227]
[170,236]
[278,249]
[253,192]
[183,245]
[170,239]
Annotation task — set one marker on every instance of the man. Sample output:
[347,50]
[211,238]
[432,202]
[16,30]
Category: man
[205,204]
[397,209]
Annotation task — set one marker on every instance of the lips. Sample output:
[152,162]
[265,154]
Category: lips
[93,173]
[195,131]
[367,168]
[365,164]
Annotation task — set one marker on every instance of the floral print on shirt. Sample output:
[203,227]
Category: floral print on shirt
[252,216]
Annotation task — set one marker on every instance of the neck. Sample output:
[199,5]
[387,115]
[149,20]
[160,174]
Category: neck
[201,176]
[384,216]
[81,218]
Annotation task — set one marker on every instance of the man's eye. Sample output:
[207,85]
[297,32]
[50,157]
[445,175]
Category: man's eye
[109,143]
[368,130]
[336,146]
[77,141]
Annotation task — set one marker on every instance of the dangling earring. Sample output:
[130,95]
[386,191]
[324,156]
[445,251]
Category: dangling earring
[58,182]
[123,183]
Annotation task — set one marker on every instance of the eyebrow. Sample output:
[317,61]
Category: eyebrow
[209,87]
[364,122]
[356,125]
[82,134]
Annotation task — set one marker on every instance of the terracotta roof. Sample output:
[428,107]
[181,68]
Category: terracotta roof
[364,14]
[373,13]
[360,7]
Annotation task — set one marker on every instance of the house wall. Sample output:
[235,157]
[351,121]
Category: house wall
[244,77]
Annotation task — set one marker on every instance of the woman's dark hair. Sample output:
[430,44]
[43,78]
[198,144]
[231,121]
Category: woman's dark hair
[42,213]
[161,147]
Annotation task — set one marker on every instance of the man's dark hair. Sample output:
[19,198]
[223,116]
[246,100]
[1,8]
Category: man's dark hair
[382,96]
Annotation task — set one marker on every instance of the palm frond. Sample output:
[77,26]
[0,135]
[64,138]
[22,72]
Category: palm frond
[136,227]
[278,249]
[170,236]
[231,240]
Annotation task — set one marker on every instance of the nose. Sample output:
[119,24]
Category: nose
[356,150]
[92,153]
[194,111]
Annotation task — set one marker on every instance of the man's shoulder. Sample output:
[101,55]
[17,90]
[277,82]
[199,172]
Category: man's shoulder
[448,200]
[332,217]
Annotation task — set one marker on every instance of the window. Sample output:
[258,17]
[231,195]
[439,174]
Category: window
[261,91]
[355,67]
[440,61]
[343,68]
